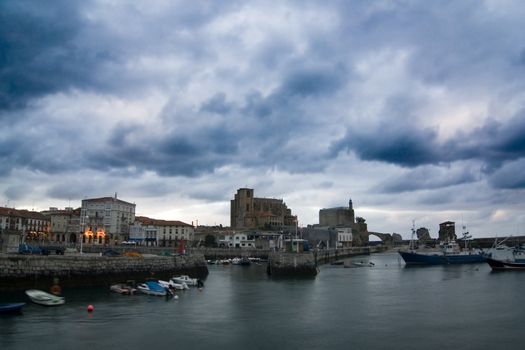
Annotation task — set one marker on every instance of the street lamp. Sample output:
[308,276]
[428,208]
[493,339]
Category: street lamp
[82,233]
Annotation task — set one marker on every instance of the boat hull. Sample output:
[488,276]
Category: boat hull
[500,265]
[42,298]
[11,308]
[152,288]
[412,258]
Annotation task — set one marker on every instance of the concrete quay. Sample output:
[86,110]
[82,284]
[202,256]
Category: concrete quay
[37,271]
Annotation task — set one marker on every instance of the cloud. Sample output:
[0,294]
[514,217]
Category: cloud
[509,176]
[428,177]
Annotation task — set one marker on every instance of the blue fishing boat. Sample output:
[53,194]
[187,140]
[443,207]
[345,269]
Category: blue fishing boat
[450,253]
[11,308]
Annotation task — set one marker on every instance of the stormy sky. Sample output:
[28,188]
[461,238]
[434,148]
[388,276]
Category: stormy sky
[413,109]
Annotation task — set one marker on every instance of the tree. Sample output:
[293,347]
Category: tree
[210,241]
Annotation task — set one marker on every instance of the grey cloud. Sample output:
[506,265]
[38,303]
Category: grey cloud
[427,177]
[509,176]
[41,53]
[493,144]
[391,142]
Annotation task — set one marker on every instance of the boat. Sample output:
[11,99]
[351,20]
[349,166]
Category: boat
[185,279]
[42,298]
[360,264]
[152,288]
[450,253]
[501,265]
[173,285]
[506,258]
[122,288]
[11,308]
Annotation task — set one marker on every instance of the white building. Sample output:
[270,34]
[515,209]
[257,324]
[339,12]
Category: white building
[106,220]
[344,237]
[237,240]
[164,233]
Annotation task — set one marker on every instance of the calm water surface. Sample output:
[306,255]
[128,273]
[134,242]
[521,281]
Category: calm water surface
[387,306]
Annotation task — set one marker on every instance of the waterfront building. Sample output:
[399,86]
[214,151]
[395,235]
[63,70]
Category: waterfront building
[249,212]
[163,233]
[20,225]
[237,240]
[340,216]
[339,228]
[64,224]
[106,220]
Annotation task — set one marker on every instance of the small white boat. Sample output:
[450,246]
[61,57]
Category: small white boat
[42,298]
[174,285]
[185,279]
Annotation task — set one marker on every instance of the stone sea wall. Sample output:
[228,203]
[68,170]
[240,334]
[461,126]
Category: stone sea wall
[292,264]
[36,271]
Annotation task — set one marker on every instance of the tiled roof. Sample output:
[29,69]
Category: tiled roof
[149,221]
[23,213]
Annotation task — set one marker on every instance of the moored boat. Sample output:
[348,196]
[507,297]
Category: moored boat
[11,308]
[152,288]
[42,298]
[122,288]
[450,253]
[506,258]
[173,285]
[185,279]
[502,265]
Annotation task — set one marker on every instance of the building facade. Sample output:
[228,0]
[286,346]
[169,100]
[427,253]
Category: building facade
[248,212]
[106,220]
[340,216]
[163,233]
[20,225]
[237,240]
[65,224]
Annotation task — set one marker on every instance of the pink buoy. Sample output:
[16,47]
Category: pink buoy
[90,308]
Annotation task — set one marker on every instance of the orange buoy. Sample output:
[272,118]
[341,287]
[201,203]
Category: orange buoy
[90,308]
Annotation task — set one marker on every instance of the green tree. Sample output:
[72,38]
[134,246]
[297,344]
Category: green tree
[210,241]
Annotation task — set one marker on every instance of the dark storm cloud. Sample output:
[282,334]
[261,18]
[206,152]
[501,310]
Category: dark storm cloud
[493,144]
[40,53]
[391,142]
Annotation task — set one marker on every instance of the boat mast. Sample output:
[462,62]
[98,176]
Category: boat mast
[411,246]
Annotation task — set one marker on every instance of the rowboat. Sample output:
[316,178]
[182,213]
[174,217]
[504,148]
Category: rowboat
[42,298]
[11,308]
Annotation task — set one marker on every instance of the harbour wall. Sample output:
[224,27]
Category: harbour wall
[305,264]
[283,264]
[37,271]
[327,256]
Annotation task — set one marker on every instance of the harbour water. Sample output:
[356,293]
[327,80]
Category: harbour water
[387,306]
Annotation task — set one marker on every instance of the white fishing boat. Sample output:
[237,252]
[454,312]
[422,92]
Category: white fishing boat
[42,298]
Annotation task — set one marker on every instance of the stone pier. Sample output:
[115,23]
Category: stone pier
[292,264]
[36,271]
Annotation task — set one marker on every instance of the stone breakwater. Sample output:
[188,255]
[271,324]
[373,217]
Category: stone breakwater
[32,271]
[282,264]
